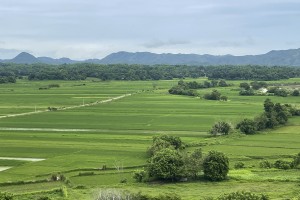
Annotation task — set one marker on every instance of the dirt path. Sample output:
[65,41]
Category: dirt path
[68,108]
[22,159]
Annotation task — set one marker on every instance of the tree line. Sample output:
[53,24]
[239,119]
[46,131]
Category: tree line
[144,72]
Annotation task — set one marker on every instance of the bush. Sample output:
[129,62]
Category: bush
[6,196]
[265,164]
[245,86]
[247,126]
[220,128]
[239,165]
[249,92]
[139,175]
[165,164]
[296,161]
[295,93]
[243,196]
[86,174]
[215,166]
[223,98]
[281,164]
[164,141]
[214,95]
[53,86]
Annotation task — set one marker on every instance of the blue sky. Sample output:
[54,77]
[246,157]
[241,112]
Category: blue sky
[82,29]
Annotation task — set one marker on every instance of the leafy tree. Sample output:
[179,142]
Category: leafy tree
[295,93]
[248,92]
[245,86]
[257,85]
[247,126]
[220,128]
[268,105]
[215,166]
[223,83]
[164,141]
[166,164]
[193,163]
[223,98]
[214,95]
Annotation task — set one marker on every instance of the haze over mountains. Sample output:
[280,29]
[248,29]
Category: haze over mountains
[289,57]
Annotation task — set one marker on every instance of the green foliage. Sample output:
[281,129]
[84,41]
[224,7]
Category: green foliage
[243,196]
[64,191]
[256,85]
[247,126]
[278,91]
[86,173]
[215,166]
[223,98]
[296,161]
[220,128]
[248,92]
[265,164]
[239,165]
[245,86]
[139,175]
[164,141]
[295,93]
[281,164]
[193,163]
[189,88]
[165,164]
[6,196]
[214,95]
[44,198]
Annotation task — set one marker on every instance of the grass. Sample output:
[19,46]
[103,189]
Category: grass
[119,132]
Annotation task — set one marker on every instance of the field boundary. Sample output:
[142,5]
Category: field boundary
[68,108]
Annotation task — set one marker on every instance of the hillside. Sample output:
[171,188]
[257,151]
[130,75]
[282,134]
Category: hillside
[289,57]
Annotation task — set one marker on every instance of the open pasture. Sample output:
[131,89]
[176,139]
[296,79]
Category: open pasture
[118,133]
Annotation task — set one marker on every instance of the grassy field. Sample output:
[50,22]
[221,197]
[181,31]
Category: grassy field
[118,133]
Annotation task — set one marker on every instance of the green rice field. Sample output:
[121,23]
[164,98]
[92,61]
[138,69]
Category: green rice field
[78,142]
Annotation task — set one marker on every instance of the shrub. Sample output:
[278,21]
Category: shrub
[295,93]
[53,86]
[220,128]
[6,196]
[281,164]
[239,165]
[214,95]
[243,196]
[223,98]
[249,92]
[245,86]
[139,175]
[64,191]
[86,174]
[296,161]
[265,164]
[215,166]
[247,126]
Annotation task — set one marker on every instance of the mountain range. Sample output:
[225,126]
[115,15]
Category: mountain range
[289,57]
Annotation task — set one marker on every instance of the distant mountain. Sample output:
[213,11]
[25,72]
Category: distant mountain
[289,57]
[53,61]
[282,57]
[24,58]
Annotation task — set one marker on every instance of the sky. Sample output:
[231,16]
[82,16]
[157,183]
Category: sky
[82,29]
